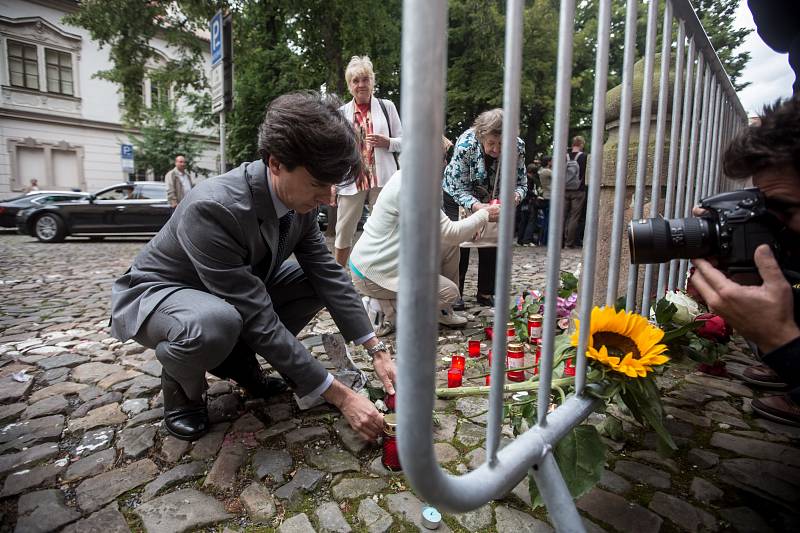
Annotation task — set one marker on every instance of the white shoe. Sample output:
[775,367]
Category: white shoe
[447,317]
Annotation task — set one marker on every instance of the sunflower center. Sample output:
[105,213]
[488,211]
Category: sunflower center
[616,344]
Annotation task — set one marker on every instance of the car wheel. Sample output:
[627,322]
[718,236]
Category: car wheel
[50,228]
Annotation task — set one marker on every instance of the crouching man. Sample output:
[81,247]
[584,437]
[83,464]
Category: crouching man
[214,287]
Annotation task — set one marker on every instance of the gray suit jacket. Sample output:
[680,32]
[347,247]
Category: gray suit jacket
[220,233]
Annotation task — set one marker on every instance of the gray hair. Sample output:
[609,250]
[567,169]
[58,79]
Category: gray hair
[489,123]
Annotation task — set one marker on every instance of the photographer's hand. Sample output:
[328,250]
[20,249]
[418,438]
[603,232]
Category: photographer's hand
[762,313]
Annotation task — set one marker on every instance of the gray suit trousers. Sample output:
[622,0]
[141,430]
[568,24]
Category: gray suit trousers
[193,331]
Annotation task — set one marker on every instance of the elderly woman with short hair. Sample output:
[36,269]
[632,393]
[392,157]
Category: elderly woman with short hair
[469,182]
[378,128]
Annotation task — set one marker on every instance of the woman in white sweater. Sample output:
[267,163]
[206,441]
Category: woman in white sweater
[374,263]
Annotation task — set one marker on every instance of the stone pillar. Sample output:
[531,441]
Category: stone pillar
[607,190]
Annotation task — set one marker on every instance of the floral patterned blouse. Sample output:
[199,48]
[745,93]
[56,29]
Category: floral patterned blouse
[467,170]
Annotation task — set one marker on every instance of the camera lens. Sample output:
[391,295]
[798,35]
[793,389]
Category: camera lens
[657,240]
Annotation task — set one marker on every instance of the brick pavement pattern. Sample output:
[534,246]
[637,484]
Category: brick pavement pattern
[82,446]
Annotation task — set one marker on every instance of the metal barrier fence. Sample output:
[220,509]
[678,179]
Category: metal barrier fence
[705,113]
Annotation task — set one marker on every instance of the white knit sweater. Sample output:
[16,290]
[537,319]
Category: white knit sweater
[376,255]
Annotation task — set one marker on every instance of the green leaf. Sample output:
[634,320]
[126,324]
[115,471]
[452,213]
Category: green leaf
[620,304]
[581,456]
[641,396]
[665,310]
[682,331]
[611,427]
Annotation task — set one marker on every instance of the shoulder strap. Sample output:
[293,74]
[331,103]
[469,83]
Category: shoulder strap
[385,114]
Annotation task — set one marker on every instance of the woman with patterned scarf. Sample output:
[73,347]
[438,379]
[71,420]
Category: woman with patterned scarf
[378,127]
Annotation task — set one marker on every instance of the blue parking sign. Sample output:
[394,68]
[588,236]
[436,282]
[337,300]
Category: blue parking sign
[126,151]
[216,38]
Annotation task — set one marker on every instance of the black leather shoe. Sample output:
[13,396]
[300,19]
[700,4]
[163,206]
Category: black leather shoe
[183,418]
[459,305]
[485,299]
[245,371]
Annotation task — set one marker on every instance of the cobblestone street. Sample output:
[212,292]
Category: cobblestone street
[82,447]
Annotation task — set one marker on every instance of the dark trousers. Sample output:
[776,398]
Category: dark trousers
[526,217]
[487,261]
[193,331]
[543,222]
[574,204]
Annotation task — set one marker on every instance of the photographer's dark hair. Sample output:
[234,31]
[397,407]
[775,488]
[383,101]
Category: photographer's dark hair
[773,143]
[306,129]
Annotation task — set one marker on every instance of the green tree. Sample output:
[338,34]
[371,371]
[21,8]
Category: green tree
[128,28]
[162,137]
[718,17]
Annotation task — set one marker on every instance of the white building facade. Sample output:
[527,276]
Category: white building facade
[58,124]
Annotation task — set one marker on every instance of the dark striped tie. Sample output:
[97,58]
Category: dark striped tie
[284,223]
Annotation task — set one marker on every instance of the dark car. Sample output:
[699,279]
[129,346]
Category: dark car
[139,207]
[10,207]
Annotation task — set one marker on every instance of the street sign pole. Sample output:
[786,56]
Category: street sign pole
[222,163]
[218,54]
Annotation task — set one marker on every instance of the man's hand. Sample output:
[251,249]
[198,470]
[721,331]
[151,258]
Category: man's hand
[360,413]
[385,369]
[384,366]
[377,140]
[763,313]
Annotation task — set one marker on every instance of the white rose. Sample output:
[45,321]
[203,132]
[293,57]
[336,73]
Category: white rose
[687,308]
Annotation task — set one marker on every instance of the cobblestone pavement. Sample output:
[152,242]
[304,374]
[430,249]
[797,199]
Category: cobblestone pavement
[82,447]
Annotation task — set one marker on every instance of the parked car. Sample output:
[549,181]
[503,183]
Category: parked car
[10,207]
[138,207]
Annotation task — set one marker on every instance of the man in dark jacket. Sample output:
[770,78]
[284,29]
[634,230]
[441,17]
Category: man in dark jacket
[767,314]
[215,286]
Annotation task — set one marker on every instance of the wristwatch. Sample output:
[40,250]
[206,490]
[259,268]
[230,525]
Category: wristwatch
[380,347]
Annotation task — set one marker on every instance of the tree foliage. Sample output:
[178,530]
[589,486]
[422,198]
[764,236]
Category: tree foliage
[285,45]
[161,137]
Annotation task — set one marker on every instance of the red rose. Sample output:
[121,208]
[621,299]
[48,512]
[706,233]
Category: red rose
[714,328]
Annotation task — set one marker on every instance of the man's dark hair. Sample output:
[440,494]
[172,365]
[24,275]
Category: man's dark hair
[773,143]
[546,160]
[306,129]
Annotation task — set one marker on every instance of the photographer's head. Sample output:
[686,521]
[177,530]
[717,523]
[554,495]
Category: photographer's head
[769,151]
[308,145]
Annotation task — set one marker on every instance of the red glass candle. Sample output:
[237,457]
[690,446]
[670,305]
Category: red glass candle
[474,348]
[538,344]
[454,376]
[490,367]
[488,331]
[511,332]
[534,327]
[515,358]
[569,368]
[391,457]
[458,361]
[389,401]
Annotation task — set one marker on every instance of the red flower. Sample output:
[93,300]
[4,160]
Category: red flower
[714,328]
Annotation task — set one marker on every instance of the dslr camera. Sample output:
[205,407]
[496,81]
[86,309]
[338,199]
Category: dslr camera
[733,226]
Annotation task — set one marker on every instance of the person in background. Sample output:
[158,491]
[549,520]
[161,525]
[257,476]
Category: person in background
[527,210]
[575,200]
[543,199]
[179,182]
[379,132]
[33,187]
[469,182]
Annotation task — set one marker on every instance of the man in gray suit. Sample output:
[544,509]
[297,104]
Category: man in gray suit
[214,287]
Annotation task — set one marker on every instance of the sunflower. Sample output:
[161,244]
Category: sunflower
[625,342]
